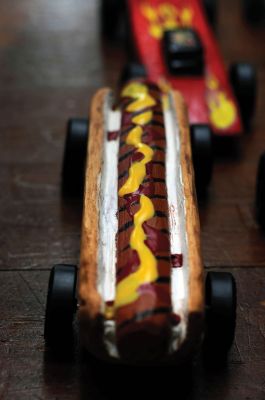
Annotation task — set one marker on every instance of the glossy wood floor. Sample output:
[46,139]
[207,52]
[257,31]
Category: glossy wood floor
[51,62]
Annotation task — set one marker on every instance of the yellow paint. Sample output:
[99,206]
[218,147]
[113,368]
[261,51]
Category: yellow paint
[135,90]
[170,24]
[149,12]
[144,101]
[167,11]
[212,83]
[166,16]
[137,170]
[186,16]
[139,92]
[156,31]
[222,111]
[109,310]
[127,289]
[143,118]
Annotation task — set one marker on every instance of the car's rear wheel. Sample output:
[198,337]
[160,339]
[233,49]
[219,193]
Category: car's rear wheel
[111,16]
[75,156]
[132,71]
[244,82]
[210,7]
[202,155]
[254,11]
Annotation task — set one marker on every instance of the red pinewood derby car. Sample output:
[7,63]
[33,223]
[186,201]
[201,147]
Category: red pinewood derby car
[172,43]
[175,43]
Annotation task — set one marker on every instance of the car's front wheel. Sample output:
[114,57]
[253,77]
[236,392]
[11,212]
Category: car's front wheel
[60,307]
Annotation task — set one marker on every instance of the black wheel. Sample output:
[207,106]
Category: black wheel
[132,71]
[254,11]
[75,157]
[244,82]
[61,306]
[220,298]
[210,7]
[112,21]
[202,155]
[260,192]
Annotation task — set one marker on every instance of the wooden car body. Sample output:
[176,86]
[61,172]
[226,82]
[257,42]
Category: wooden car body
[210,98]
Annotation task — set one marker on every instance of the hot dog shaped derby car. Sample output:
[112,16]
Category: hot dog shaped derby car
[173,41]
[140,296]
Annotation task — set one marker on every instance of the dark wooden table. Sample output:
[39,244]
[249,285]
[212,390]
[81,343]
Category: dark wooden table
[51,62]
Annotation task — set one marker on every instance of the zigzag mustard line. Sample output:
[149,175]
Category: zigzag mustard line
[127,289]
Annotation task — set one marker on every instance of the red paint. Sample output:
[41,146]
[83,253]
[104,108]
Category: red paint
[149,168]
[156,240]
[156,290]
[194,90]
[113,135]
[137,156]
[175,319]
[126,119]
[177,260]
[131,266]
[151,133]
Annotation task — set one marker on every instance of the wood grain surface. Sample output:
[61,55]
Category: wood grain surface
[51,62]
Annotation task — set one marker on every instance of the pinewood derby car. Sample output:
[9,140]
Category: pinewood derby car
[140,297]
[173,43]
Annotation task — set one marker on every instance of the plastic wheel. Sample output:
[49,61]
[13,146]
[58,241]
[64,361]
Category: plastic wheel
[244,82]
[202,154]
[75,156]
[220,298]
[132,71]
[254,11]
[61,306]
[210,7]
[260,192]
[111,13]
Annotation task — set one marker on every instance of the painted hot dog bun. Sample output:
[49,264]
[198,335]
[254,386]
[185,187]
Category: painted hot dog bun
[140,254]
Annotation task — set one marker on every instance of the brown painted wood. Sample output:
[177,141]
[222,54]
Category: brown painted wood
[196,295]
[52,60]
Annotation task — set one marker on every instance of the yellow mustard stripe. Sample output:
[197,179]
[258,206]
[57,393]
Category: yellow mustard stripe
[143,118]
[137,170]
[127,289]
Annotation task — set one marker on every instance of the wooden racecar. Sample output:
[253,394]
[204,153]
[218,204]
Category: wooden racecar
[174,42]
[141,297]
